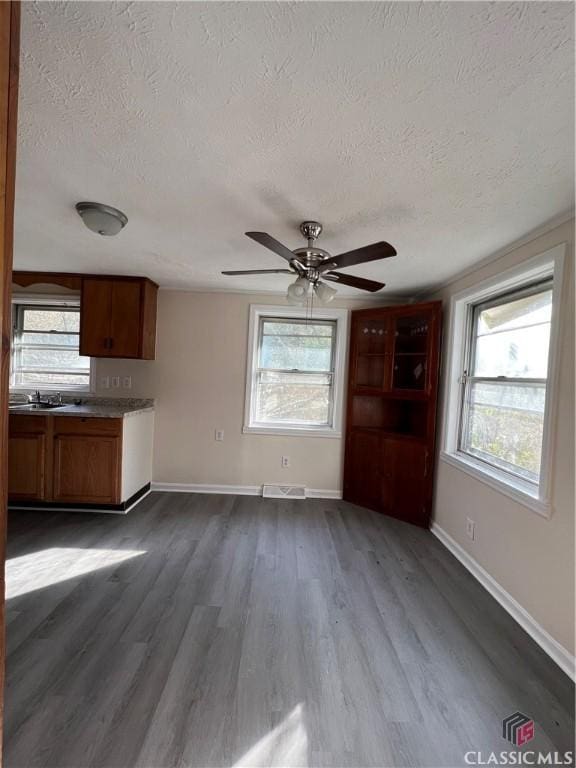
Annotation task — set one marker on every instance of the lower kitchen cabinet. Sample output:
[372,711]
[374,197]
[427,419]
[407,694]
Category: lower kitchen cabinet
[87,460]
[75,461]
[27,467]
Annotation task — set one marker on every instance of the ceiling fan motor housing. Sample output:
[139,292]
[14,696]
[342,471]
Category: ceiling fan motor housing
[311,229]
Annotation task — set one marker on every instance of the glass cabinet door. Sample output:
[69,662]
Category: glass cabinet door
[372,342]
[411,333]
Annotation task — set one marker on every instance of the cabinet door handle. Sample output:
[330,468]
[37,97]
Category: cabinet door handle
[111,340]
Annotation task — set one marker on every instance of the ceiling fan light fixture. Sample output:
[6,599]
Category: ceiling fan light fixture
[102,219]
[324,292]
[298,290]
[295,302]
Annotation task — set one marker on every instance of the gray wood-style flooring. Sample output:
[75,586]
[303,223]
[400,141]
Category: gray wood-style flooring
[223,631]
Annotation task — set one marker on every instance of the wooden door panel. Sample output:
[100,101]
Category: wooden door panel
[370,359]
[26,467]
[363,482]
[125,319]
[404,479]
[87,469]
[95,331]
[9,65]
[412,333]
[148,331]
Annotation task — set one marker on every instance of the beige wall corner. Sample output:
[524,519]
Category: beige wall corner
[531,557]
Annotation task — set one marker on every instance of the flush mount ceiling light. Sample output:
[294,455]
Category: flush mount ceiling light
[102,219]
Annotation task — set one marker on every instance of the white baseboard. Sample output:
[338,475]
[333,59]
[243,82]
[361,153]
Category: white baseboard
[320,493]
[565,660]
[236,490]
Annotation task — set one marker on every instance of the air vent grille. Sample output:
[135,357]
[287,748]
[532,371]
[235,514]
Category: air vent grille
[283,491]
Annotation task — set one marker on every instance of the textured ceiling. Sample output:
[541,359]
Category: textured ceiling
[444,128]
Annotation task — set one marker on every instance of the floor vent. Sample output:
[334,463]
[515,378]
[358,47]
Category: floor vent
[284,491]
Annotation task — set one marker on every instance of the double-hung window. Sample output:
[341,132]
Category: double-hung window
[504,392]
[501,389]
[295,372]
[45,348]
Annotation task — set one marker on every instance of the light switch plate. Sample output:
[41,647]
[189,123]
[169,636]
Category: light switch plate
[127,382]
[470,528]
[219,435]
[115,381]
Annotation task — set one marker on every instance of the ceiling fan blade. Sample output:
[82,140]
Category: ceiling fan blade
[372,252]
[355,282]
[258,272]
[272,244]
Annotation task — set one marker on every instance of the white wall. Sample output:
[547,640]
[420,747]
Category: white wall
[530,556]
[198,380]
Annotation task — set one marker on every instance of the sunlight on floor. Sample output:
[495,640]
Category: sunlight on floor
[51,566]
[286,745]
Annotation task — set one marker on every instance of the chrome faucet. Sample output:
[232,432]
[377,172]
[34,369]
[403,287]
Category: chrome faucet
[35,398]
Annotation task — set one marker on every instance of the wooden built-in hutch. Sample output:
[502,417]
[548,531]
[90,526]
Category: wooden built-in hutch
[391,409]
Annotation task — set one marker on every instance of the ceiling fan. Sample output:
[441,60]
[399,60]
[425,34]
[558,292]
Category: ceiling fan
[313,265]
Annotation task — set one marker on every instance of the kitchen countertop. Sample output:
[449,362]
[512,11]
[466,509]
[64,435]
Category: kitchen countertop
[93,408]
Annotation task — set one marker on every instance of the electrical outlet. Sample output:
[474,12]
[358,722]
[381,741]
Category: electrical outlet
[115,381]
[470,528]
[285,461]
[127,382]
[105,382]
[219,435]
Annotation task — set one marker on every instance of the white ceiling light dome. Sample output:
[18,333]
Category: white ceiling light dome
[102,219]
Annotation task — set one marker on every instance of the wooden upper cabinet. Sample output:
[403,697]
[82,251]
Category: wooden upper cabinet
[126,319]
[118,317]
[392,349]
[95,317]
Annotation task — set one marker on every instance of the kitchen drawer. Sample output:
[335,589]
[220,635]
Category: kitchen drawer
[85,425]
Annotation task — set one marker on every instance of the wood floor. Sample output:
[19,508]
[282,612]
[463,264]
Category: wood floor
[222,631]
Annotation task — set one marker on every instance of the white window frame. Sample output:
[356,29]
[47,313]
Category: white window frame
[50,300]
[548,265]
[340,316]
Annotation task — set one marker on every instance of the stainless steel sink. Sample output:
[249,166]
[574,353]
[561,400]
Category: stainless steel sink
[34,406]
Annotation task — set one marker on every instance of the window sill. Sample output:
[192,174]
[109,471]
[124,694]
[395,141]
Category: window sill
[291,431]
[494,479]
[68,392]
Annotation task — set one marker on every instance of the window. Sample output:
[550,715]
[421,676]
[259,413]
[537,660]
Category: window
[505,382]
[294,376]
[501,383]
[45,348]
